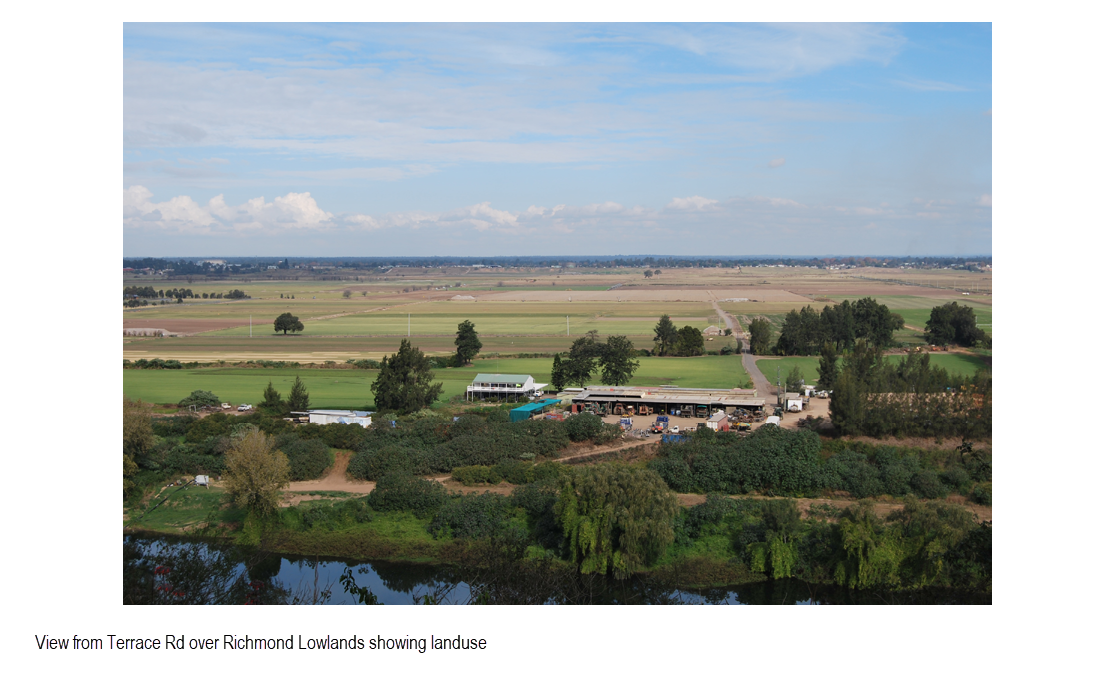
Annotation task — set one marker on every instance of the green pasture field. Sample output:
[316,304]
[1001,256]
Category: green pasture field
[349,388]
[954,363]
[527,318]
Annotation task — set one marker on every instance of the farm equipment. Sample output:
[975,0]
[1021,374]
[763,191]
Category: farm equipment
[686,411]
[618,409]
[661,424]
[702,411]
[644,410]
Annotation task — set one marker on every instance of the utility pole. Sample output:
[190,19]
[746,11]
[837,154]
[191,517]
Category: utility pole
[408,325]
[566,325]
[249,326]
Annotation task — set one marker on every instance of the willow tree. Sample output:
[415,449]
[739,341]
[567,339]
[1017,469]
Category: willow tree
[616,518]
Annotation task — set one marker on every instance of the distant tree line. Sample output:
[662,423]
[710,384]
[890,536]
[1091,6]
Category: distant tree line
[805,332]
[240,265]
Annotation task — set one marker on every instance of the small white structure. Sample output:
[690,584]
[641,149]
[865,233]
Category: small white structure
[794,402]
[502,386]
[713,331]
[773,420]
[327,416]
[202,480]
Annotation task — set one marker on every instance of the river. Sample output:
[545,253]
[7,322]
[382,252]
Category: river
[209,574]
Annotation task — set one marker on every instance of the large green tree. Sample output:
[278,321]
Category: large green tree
[255,473]
[760,336]
[690,342]
[617,518]
[467,342]
[299,398]
[405,382]
[557,373]
[617,361]
[582,364]
[665,335]
[288,323]
[952,323]
[826,369]
[271,397]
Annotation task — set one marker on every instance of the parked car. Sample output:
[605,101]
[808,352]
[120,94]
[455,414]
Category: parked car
[244,407]
[226,405]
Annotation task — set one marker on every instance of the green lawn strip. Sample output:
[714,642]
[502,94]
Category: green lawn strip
[349,388]
[184,508]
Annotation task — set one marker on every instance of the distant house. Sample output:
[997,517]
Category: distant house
[502,386]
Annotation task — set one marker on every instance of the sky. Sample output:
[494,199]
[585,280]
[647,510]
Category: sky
[557,139]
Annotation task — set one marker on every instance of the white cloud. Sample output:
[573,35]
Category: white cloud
[985,200]
[691,203]
[181,214]
[483,223]
[775,163]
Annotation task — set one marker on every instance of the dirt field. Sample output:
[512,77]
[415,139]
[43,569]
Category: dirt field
[649,294]
[336,480]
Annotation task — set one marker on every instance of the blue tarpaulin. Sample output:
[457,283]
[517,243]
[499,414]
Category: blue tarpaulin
[524,412]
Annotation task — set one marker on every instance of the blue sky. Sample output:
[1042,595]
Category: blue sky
[511,139]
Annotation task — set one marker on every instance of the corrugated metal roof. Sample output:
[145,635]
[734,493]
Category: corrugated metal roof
[339,412]
[501,378]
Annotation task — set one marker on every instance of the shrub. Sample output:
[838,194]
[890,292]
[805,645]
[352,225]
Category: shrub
[956,477]
[476,474]
[400,492]
[309,459]
[850,471]
[375,464]
[583,426]
[473,515]
[927,485]
[981,493]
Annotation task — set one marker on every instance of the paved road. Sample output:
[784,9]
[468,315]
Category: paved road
[762,386]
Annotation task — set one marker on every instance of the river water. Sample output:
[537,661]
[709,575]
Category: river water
[318,580]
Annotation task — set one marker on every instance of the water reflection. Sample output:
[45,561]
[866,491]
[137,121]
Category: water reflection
[302,579]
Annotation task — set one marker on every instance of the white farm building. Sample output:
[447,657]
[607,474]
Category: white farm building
[327,416]
[502,386]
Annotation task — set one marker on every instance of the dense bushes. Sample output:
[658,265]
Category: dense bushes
[770,460]
[511,471]
[309,458]
[867,471]
[782,462]
[473,515]
[583,427]
[398,492]
[432,445]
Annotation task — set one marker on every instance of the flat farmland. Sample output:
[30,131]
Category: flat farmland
[494,318]
[300,348]
[349,388]
[954,363]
